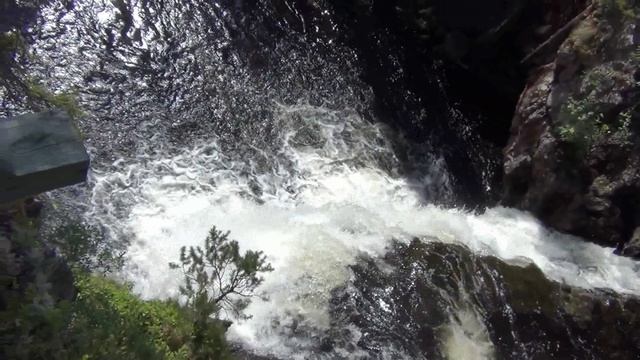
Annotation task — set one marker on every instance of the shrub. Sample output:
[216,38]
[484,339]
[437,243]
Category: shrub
[84,248]
[110,322]
[617,8]
[219,274]
[106,320]
[216,278]
[582,125]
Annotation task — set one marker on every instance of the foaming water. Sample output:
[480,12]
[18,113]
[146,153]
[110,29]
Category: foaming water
[327,196]
[466,337]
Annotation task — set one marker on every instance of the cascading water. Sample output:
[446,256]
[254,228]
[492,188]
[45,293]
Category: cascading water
[191,126]
[325,201]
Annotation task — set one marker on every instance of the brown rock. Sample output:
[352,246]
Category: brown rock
[573,157]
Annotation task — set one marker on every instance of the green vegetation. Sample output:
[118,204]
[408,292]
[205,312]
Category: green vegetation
[105,319]
[583,125]
[65,100]
[11,48]
[616,8]
[85,250]
[219,271]
[585,39]
[217,278]
[593,115]
[111,322]
[16,86]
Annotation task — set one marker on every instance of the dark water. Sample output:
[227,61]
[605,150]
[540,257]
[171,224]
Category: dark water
[264,108]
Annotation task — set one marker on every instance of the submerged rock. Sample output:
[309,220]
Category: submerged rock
[433,300]
[573,157]
[632,248]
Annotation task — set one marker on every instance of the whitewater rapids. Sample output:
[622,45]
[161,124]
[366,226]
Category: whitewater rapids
[328,195]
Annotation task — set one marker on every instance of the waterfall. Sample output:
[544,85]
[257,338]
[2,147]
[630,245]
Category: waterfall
[324,200]
[200,115]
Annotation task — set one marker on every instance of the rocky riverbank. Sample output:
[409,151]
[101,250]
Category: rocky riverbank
[573,157]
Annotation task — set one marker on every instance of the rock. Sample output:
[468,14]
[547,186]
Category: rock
[574,149]
[60,277]
[530,123]
[326,345]
[632,248]
[426,286]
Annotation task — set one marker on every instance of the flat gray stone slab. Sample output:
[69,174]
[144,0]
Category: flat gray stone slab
[39,152]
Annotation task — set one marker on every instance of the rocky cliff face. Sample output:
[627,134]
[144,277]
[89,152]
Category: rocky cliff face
[573,157]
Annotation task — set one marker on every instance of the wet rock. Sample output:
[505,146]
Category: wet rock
[573,154]
[415,52]
[326,345]
[530,123]
[424,299]
[632,248]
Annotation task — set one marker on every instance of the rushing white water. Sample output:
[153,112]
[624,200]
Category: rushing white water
[317,204]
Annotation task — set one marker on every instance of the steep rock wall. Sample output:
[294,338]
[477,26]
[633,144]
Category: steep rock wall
[573,157]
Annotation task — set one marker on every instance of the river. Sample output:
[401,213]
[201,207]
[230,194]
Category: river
[202,113]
